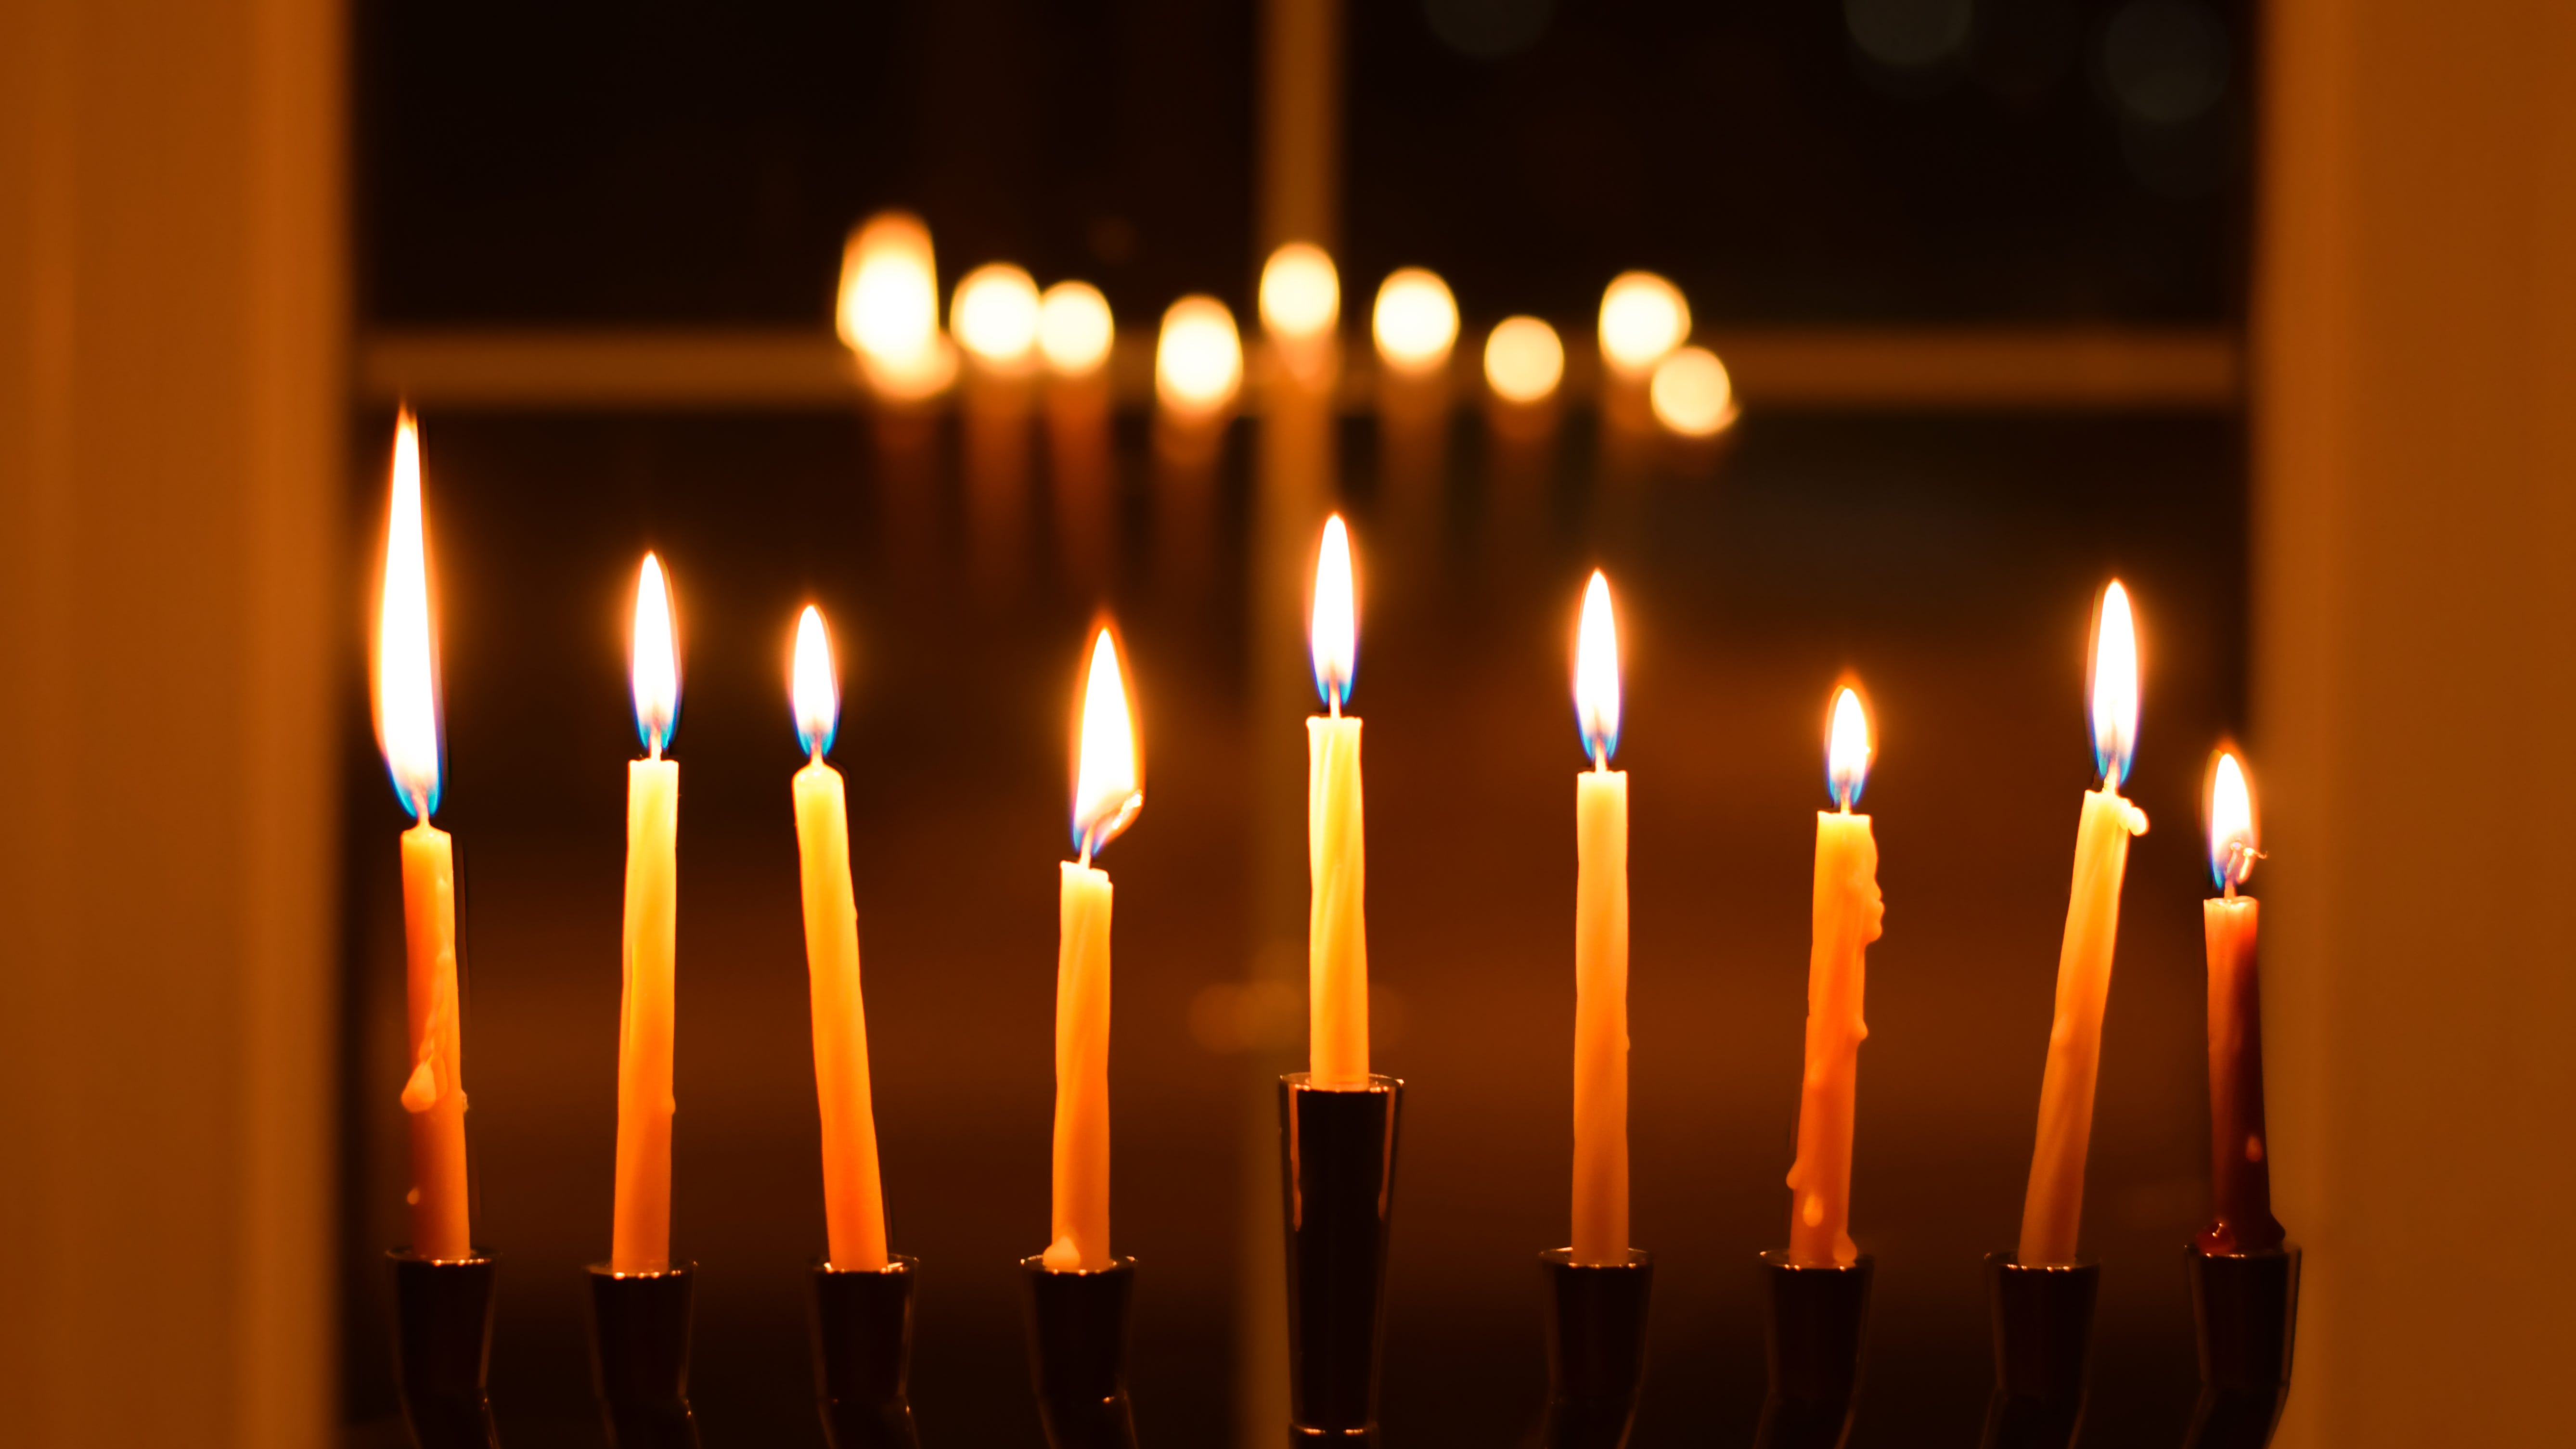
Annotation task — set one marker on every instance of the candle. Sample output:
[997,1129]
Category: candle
[1600,945]
[1847,915]
[1415,326]
[433,1095]
[1643,318]
[1107,793]
[994,317]
[1692,394]
[640,1241]
[2240,1167]
[888,312]
[2054,1205]
[1198,371]
[1075,332]
[853,1199]
[1337,1034]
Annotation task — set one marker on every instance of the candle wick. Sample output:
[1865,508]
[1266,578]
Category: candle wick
[1334,700]
[1600,760]
[1087,837]
[420,806]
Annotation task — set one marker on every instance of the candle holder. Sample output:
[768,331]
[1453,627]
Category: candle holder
[1337,1184]
[862,1329]
[1596,1348]
[1815,1328]
[2043,1348]
[1080,1325]
[2246,1308]
[640,1356]
[443,1347]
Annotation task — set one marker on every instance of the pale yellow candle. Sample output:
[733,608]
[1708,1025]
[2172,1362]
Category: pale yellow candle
[853,1195]
[640,1240]
[1600,946]
[1337,1030]
[1847,916]
[2053,1209]
[1108,791]
[433,1094]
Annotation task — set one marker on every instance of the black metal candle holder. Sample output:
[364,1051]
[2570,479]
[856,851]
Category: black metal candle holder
[862,1328]
[443,1347]
[1596,1348]
[639,1346]
[2043,1351]
[1815,1327]
[1080,1325]
[1337,1186]
[2246,1308]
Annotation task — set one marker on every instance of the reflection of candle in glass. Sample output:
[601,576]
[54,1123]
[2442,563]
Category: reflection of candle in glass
[1600,945]
[2240,1177]
[995,319]
[853,1197]
[1075,333]
[1108,791]
[1847,914]
[1337,1029]
[2053,1209]
[433,1095]
[647,1009]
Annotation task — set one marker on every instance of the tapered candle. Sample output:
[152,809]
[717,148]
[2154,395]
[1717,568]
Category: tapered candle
[1337,1028]
[1847,915]
[640,1240]
[407,727]
[2240,1162]
[853,1195]
[1108,790]
[1600,945]
[2053,1208]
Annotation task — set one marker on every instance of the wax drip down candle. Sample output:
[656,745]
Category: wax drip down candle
[1847,916]
[407,728]
[640,1240]
[1108,791]
[853,1195]
[1600,945]
[1337,1023]
[2053,1208]
[2240,1167]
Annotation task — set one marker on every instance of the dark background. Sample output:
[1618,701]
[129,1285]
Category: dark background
[670,163]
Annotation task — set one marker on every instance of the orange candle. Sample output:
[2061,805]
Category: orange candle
[1108,791]
[2240,1176]
[1847,916]
[433,1094]
[640,1241]
[1337,1031]
[1600,946]
[853,1197]
[2053,1208]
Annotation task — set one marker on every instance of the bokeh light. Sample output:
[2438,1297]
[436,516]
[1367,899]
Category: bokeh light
[1524,360]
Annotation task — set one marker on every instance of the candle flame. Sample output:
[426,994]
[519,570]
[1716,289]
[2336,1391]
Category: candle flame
[2232,839]
[1108,790]
[1333,633]
[1198,360]
[406,674]
[813,689]
[995,315]
[1847,749]
[1301,293]
[656,660]
[1416,320]
[2115,687]
[1596,673]
[1643,318]
[889,306]
[1524,360]
[1074,328]
[1692,393]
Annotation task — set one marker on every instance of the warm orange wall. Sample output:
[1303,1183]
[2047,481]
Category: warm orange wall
[171,614]
[2415,670]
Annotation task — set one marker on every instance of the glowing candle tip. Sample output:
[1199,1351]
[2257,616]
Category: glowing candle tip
[407,725]
[813,688]
[1333,634]
[1596,673]
[1108,789]
[656,660]
[2232,840]
[2115,687]
[1847,749]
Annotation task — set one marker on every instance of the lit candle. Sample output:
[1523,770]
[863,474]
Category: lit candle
[2054,1207]
[1198,372]
[853,1199]
[1415,326]
[2240,1175]
[640,1241]
[433,1096]
[1108,790]
[1600,945]
[994,318]
[1075,334]
[1337,1030]
[1643,318]
[1847,915]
